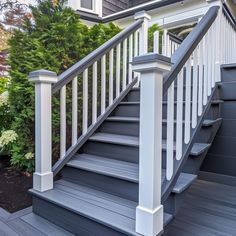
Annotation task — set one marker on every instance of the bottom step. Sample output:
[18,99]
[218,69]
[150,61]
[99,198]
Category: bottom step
[86,211]
[43,226]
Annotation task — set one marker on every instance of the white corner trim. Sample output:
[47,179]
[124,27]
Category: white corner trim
[149,222]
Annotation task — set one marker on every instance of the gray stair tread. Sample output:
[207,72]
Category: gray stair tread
[209,122]
[197,149]
[122,119]
[110,210]
[115,138]
[183,182]
[122,170]
[115,168]
[206,122]
[44,226]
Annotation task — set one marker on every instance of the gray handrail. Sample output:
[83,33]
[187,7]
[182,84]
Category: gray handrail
[87,61]
[175,38]
[182,54]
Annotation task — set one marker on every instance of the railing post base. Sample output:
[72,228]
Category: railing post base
[43,176]
[149,222]
[43,182]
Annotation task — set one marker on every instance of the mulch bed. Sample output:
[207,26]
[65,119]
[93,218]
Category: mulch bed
[14,186]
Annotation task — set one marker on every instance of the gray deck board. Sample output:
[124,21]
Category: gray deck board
[209,209]
[25,223]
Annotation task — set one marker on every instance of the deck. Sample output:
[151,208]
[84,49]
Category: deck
[209,210]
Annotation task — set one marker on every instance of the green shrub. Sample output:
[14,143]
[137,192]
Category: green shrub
[54,40]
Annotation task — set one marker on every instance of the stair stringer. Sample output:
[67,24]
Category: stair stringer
[167,186]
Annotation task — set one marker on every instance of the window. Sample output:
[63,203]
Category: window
[87,4]
[92,6]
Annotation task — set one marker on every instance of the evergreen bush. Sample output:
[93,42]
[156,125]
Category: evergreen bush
[54,39]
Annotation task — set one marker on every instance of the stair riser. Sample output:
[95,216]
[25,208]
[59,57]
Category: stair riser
[174,202]
[70,221]
[132,129]
[134,95]
[117,152]
[133,110]
[193,165]
[118,187]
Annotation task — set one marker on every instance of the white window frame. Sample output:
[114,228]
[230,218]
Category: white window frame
[97,6]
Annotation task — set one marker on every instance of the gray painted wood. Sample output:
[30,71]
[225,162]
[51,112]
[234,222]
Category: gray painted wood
[44,226]
[110,167]
[208,209]
[25,223]
[197,149]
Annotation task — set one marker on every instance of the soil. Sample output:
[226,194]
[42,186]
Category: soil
[14,186]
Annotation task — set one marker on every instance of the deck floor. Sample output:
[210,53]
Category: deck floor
[209,209]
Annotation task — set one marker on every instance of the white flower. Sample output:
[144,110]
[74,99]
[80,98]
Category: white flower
[3,99]
[7,137]
[29,156]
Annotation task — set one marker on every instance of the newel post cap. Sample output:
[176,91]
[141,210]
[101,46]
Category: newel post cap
[151,62]
[142,15]
[44,76]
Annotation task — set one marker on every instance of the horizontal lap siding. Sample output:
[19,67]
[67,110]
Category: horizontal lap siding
[113,6]
[133,3]
[221,158]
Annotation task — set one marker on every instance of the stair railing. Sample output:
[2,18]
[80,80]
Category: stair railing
[168,45]
[105,77]
[190,76]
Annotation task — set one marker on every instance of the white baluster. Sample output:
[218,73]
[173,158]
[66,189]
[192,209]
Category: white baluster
[124,81]
[187,102]
[118,70]
[209,64]
[63,122]
[179,119]
[136,49]
[195,88]
[200,81]
[130,58]
[103,84]
[94,91]
[170,133]
[156,42]
[165,43]
[111,71]
[205,63]
[85,101]
[74,110]
[43,176]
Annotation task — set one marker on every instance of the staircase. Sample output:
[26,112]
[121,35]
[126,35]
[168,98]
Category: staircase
[108,184]
[98,190]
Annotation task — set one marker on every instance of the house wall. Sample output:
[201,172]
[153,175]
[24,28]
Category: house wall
[133,3]
[221,158]
[113,6]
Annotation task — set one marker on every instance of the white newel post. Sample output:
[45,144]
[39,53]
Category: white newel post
[43,176]
[149,213]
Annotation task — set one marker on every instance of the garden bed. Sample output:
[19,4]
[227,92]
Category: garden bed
[14,186]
